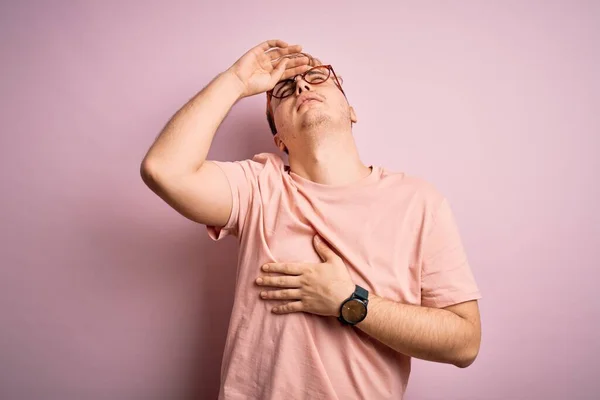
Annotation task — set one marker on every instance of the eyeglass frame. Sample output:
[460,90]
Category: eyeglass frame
[302,75]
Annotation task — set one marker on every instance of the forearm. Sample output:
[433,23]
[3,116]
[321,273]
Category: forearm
[426,333]
[183,144]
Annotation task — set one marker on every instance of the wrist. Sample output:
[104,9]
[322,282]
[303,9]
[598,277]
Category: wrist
[353,310]
[342,295]
[234,83]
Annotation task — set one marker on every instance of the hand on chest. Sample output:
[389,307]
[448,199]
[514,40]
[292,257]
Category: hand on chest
[378,250]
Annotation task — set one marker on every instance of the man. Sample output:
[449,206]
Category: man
[345,271]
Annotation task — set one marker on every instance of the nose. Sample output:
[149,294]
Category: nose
[301,85]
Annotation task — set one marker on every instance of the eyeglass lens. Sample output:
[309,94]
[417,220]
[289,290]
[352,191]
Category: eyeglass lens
[313,76]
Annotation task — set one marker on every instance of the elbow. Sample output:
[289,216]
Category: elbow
[465,362]
[147,172]
[156,172]
[469,351]
[467,356]
[151,173]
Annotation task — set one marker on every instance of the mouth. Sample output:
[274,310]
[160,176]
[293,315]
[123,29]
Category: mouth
[307,100]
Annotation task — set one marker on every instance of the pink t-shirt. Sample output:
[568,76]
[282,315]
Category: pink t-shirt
[398,238]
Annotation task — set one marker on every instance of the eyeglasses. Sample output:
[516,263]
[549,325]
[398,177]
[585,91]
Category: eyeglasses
[314,76]
[287,87]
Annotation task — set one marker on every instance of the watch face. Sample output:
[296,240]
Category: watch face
[354,311]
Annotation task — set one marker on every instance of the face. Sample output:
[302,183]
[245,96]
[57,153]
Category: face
[315,106]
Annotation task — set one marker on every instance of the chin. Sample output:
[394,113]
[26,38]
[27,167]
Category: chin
[315,121]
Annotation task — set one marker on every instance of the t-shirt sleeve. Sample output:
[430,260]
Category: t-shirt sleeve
[242,177]
[446,277]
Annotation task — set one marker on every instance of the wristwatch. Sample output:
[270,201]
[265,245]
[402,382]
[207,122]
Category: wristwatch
[354,308]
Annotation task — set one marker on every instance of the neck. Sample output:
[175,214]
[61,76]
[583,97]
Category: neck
[333,161]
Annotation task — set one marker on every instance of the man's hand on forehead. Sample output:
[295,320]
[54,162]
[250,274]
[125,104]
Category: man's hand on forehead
[298,59]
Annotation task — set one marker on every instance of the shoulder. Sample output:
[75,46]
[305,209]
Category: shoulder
[269,160]
[250,171]
[419,196]
[414,185]
[261,167]
[267,166]
[259,164]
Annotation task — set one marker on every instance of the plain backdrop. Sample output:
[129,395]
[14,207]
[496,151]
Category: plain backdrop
[107,293]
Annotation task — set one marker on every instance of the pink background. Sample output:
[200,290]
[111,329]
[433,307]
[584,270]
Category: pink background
[106,293]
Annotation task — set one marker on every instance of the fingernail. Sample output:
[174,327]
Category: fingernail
[263,294]
[259,280]
[265,267]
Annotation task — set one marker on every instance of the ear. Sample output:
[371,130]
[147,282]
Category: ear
[353,117]
[279,143]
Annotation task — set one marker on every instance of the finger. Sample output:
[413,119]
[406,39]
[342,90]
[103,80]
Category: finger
[266,45]
[277,73]
[285,268]
[285,294]
[289,72]
[276,53]
[279,281]
[292,61]
[325,252]
[294,306]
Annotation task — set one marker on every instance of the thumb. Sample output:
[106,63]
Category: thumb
[277,73]
[322,248]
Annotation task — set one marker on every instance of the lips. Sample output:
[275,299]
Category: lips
[303,99]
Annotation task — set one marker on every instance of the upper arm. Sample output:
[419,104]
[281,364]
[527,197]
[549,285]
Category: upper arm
[446,276]
[203,196]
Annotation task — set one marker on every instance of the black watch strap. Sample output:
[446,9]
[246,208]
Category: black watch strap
[361,293]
